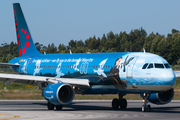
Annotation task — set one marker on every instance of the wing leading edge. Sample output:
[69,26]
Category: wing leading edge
[9,78]
[177,73]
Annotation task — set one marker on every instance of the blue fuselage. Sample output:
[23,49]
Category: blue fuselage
[107,72]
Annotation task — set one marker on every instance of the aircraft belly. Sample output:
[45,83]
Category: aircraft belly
[149,87]
[110,89]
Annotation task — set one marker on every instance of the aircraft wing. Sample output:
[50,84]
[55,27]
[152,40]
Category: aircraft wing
[177,73]
[34,80]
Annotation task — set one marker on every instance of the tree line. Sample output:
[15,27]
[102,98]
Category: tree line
[166,46]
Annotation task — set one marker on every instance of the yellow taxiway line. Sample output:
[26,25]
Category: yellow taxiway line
[11,116]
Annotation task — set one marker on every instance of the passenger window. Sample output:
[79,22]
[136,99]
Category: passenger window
[150,66]
[145,65]
[167,65]
[158,65]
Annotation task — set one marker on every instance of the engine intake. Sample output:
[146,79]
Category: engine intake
[59,94]
[162,98]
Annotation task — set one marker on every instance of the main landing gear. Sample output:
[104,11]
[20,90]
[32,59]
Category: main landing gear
[121,102]
[51,106]
[145,107]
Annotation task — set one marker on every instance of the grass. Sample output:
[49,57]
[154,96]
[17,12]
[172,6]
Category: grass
[176,67]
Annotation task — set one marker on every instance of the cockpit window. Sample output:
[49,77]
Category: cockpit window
[144,66]
[158,65]
[167,65]
[150,66]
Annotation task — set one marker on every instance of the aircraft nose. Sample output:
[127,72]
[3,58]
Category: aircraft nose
[169,77]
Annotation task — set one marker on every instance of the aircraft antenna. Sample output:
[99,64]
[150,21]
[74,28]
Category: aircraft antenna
[144,50]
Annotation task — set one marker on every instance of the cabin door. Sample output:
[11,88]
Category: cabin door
[130,62]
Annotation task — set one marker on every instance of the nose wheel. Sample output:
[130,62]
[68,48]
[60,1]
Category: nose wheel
[146,107]
[121,102]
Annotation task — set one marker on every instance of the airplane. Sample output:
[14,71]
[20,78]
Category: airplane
[61,76]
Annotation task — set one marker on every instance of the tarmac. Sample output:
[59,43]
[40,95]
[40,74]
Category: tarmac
[86,110]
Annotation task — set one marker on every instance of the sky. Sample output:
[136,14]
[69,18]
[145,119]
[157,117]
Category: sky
[59,21]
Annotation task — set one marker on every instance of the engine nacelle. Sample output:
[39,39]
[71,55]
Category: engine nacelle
[59,94]
[162,98]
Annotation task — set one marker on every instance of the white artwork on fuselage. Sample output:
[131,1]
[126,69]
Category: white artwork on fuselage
[100,70]
[38,63]
[76,65]
[24,67]
[59,72]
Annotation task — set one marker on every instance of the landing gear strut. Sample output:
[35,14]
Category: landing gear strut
[51,106]
[119,102]
[146,107]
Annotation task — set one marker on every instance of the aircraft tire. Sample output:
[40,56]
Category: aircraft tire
[59,107]
[115,103]
[149,108]
[50,106]
[123,104]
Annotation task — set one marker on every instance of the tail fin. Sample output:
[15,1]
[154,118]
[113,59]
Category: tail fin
[26,46]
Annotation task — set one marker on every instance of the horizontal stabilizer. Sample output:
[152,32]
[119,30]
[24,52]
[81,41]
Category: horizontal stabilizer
[9,64]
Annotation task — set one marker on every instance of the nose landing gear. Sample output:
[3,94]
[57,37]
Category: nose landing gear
[121,102]
[145,107]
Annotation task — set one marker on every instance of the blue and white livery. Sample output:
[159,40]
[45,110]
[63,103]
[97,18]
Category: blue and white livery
[60,76]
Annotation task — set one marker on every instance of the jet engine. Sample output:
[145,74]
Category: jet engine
[162,98]
[59,94]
